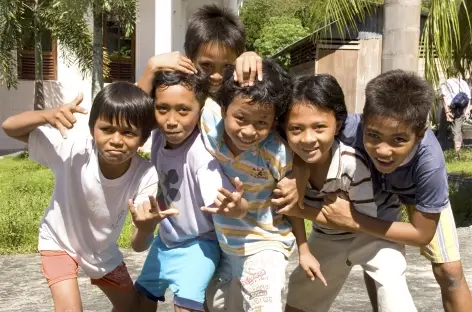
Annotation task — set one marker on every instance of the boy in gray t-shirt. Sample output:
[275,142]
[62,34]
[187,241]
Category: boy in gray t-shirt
[185,253]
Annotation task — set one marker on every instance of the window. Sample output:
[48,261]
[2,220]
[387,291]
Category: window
[26,61]
[121,51]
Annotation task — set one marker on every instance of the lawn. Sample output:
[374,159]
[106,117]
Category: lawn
[25,192]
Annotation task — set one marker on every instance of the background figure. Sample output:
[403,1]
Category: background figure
[456,97]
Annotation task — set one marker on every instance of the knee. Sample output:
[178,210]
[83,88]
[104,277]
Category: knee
[448,275]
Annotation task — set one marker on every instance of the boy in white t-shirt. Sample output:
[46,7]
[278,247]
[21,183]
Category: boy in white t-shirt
[98,179]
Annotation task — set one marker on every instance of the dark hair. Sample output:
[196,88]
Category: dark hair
[321,91]
[197,83]
[275,88]
[124,100]
[213,24]
[401,95]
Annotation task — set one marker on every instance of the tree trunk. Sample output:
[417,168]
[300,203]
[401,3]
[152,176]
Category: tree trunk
[38,61]
[401,35]
[97,70]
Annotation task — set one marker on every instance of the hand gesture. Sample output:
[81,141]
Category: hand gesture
[171,61]
[229,204]
[62,118]
[311,266]
[147,215]
[248,65]
[449,116]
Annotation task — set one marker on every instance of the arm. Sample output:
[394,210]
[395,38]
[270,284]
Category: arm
[419,232]
[20,126]
[164,62]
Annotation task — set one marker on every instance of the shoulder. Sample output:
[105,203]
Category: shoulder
[275,146]
[353,160]
[197,154]
[429,155]
[351,132]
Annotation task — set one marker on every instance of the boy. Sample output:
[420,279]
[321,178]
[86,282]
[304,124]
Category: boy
[251,274]
[312,123]
[407,161]
[185,253]
[95,178]
[214,39]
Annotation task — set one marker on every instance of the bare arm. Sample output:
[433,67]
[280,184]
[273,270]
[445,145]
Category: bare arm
[141,240]
[419,232]
[19,126]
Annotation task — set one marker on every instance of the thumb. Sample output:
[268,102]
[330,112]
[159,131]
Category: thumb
[76,102]
[169,212]
[238,185]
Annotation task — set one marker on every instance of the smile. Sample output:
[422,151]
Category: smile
[384,162]
[247,142]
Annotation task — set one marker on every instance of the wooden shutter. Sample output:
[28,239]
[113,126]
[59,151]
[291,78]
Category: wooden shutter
[26,65]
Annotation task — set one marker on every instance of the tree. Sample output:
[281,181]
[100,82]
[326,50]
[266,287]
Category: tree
[442,36]
[256,13]
[278,33]
[19,19]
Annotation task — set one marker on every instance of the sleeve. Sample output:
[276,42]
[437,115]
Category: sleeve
[210,178]
[359,187]
[446,93]
[47,147]
[351,133]
[280,158]
[432,189]
[147,186]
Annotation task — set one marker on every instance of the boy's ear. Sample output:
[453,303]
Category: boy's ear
[420,135]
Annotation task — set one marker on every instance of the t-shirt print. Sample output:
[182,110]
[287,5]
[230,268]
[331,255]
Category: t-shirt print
[168,192]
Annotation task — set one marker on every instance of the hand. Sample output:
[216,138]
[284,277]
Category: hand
[229,204]
[449,116]
[337,209]
[285,194]
[62,118]
[248,65]
[171,61]
[311,266]
[147,215]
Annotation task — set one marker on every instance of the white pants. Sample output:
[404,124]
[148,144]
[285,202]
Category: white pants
[384,261]
[251,284]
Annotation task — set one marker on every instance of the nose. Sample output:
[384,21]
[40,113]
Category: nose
[171,121]
[309,138]
[116,139]
[216,77]
[383,150]
[248,132]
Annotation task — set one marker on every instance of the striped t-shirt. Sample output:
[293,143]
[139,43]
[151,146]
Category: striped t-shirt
[348,172]
[259,169]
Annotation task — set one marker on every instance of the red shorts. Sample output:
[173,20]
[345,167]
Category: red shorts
[58,266]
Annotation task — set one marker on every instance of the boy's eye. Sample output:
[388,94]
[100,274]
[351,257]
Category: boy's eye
[205,65]
[261,123]
[294,129]
[184,109]
[161,109]
[373,136]
[240,118]
[129,134]
[320,127]
[400,140]
[106,129]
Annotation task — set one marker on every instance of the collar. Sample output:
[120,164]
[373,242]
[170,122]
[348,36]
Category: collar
[334,170]
[410,156]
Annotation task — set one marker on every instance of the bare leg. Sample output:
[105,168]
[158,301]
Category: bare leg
[122,301]
[454,289]
[66,296]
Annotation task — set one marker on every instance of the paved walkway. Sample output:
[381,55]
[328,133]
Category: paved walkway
[22,287]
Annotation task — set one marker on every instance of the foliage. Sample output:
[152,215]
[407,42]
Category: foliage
[278,33]
[255,14]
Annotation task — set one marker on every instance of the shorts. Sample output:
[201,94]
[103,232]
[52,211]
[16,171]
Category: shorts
[444,247]
[252,283]
[186,270]
[384,261]
[58,266]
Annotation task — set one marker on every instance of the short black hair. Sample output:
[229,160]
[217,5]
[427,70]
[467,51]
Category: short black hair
[197,83]
[401,95]
[322,91]
[124,101]
[275,89]
[214,24]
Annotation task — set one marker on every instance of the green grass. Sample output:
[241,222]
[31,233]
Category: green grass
[462,166]
[26,187]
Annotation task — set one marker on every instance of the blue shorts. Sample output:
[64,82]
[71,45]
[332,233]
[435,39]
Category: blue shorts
[186,270]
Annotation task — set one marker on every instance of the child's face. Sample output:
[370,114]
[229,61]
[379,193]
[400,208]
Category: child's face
[247,124]
[213,58]
[310,132]
[117,143]
[388,142]
[177,113]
